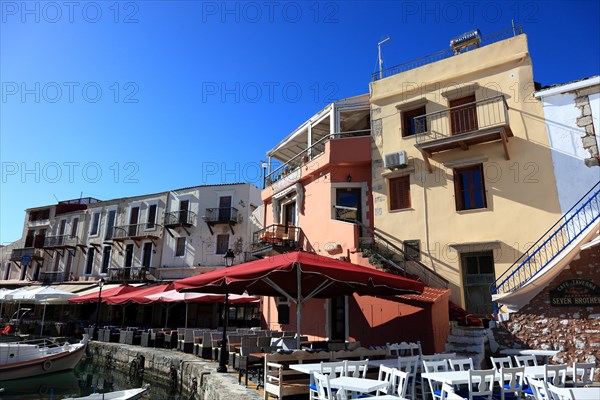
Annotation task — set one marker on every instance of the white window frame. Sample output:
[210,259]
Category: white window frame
[97,233]
[184,247]
[148,204]
[151,254]
[351,185]
[228,243]
[108,210]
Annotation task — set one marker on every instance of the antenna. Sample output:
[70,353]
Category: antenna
[379,53]
[58,201]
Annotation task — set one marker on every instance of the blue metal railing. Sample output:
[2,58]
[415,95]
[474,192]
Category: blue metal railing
[568,228]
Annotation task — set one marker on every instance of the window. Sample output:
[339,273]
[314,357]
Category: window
[222,244]
[89,267]
[106,259]
[95,224]
[180,247]
[151,216]
[400,193]
[29,238]
[411,125]
[412,250]
[110,224]
[469,188]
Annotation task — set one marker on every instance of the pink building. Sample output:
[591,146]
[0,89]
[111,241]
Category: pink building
[318,198]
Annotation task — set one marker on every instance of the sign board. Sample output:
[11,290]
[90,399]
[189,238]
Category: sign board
[575,292]
[25,260]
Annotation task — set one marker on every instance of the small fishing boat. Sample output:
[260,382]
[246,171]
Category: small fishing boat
[127,394]
[28,358]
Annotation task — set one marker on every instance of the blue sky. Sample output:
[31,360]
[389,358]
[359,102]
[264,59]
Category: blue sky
[111,99]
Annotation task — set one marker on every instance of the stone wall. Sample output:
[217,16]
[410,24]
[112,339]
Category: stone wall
[572,330]
[191,370]
[585,121]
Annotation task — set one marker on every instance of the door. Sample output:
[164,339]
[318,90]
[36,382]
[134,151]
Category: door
[463,115]
[184,206]
[348,204]
[147,255]
[225,209]
[478,275]
[74,227]
[289,214]
[133,220]
[338,318]
[110,224]
[128,261]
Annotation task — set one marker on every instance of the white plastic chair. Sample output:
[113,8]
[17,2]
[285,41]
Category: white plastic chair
[435,366]
[501,362]
[558,393]
[583,374]
[539,388]
[397,390]
[526,361]
[385,374]
[511,383]
[323,388]
[461,364]
[555,375]
[481,384]
[410,365]
[356,369]
[449,394]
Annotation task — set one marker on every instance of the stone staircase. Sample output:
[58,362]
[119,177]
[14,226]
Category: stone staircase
[467,341]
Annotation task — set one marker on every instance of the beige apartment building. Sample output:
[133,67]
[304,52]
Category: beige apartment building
[462,170]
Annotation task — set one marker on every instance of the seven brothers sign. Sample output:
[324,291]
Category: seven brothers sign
[575,292]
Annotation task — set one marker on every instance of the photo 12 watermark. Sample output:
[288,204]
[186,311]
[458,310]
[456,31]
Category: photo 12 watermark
[68,172]
[469,11]
[69,92]
[54,12]
[269,92]
[253,12]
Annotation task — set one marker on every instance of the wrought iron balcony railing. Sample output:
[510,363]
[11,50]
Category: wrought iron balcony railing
[309,154]
[129,274]
[52,277]
[221,215]
[61,241]
[18,254]
[134,230]
[180,218]
[462,119]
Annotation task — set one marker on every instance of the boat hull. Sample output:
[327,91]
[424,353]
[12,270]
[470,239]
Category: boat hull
[56,362]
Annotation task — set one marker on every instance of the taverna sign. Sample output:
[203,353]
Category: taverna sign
[575,292]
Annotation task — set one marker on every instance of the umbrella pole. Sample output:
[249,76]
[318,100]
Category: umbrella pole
[43,318]
[298,306]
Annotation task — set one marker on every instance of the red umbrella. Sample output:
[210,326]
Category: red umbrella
[93,297]
[139,295]
[300,276]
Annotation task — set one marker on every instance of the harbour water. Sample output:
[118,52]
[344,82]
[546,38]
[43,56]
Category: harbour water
[85,379]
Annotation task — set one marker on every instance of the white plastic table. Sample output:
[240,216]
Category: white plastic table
[590,393]
[361,385]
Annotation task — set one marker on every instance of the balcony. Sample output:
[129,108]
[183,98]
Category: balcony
[182,218]
[221,215]
[463,126]
[29,252]
[277,239]
[61,242]
[128,274]
[135,232]
[289,169]
[52,277]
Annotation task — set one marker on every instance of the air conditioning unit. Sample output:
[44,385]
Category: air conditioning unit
[396,160]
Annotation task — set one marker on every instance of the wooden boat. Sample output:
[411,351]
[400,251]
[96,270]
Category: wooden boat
[28,358]
[127,394]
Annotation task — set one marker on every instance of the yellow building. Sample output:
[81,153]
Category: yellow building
[461,163]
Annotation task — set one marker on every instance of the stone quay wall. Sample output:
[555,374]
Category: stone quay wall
[194,374]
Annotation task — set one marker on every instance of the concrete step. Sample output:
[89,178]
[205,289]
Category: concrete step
[465,348]
[466,339]
[467,331]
